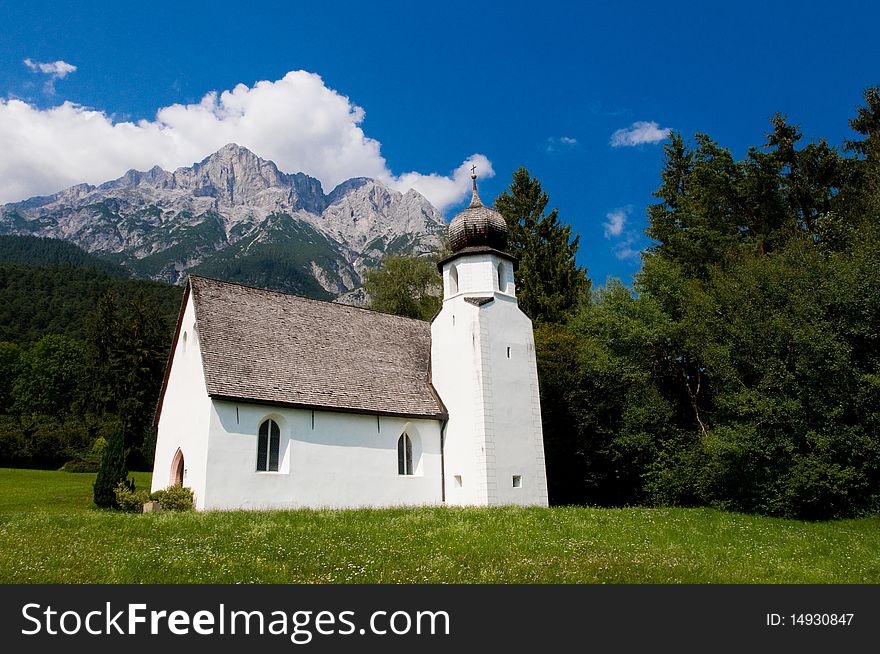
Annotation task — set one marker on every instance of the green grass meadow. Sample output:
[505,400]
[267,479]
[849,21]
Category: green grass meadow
[51,533]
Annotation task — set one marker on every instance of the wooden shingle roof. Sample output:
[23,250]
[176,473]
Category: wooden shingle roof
[270,347]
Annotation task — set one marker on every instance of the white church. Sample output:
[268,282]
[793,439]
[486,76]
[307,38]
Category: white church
[272,400]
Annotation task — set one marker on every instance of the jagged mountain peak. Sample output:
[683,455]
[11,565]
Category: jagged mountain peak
[161,224]
[155,176]
[233,173]
[233,154]
[359,186]
[233,149]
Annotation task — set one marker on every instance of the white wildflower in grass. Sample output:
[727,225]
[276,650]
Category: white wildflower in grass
[67,541]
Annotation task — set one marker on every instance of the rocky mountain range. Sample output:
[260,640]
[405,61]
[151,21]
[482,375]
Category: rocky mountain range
[237,217]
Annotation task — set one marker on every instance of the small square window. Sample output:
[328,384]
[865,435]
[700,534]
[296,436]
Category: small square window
[517,481]
[458,481]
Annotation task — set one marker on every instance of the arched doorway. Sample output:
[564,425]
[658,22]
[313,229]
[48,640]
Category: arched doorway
[177,469]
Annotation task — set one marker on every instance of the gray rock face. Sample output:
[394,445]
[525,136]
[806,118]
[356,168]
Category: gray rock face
[228,207]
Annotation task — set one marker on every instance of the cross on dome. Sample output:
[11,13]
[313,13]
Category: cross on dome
[477,226]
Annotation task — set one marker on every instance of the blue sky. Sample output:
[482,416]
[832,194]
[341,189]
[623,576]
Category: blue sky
[541,85]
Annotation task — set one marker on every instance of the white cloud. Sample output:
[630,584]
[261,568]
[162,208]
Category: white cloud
[626,248]
[57,69]
[445,191]
[54,69]
[625,240]
[638,133]
[559,143]
[297,122]
[616,221]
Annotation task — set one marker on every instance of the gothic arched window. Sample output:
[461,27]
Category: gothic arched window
[268,444]
[404,455]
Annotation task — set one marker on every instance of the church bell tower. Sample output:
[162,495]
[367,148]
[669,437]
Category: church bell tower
[483,367]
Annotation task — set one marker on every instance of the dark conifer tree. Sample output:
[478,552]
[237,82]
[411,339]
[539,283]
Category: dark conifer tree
[111,472]
[549,283]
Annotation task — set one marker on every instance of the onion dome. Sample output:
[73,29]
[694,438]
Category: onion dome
[478,226]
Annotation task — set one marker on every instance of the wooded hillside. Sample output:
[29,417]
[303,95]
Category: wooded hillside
[81,346]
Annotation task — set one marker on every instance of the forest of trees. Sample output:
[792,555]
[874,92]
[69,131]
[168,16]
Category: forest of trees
[742,371]
[82,351]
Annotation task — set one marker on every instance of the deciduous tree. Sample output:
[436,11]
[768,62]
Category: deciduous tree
[405,286]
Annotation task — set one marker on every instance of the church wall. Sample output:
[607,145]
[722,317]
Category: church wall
[185,416]
[491,393]
[455,361]
[512,376]
[340,460]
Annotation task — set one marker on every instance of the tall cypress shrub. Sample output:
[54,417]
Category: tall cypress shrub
[111,472]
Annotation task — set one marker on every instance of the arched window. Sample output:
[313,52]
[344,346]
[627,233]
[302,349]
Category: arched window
[404,455]
[268,443]
[184,342]
[453,280]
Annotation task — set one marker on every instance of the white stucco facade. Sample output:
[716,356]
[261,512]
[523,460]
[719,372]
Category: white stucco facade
[483,367]
[185,416]
[326,458]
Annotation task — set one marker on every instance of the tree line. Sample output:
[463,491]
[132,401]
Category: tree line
[81,357]
[742,369]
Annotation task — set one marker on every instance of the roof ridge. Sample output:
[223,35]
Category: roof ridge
[304,297]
